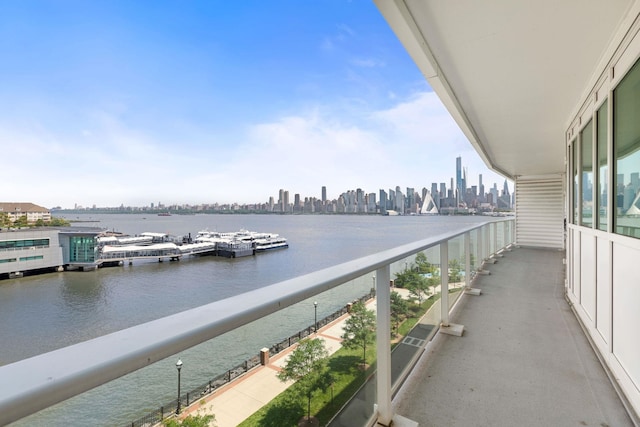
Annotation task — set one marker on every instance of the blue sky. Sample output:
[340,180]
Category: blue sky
[126,102]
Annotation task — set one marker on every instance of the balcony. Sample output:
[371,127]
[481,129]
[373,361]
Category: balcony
[522,359]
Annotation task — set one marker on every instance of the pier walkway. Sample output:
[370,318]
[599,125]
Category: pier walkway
[158,251]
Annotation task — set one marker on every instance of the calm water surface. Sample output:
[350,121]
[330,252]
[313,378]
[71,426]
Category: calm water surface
[42,313]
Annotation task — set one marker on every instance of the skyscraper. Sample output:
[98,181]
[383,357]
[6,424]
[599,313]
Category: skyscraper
[459,192]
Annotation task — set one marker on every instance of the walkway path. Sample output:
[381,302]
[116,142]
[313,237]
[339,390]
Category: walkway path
[238,400]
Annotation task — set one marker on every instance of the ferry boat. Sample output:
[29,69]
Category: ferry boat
[270,243]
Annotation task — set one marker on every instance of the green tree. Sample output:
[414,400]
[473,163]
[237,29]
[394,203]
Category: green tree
[454,271]
[359,329]
[418,287]
[422,264]
[192,421]
[404,278]
[21,222]
[307,365]
[59,222]
[399,309]
[4,220]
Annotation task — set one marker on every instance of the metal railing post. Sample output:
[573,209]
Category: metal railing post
[383,345]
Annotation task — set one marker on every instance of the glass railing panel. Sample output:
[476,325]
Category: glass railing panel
[493,228]
[474,257]
[350,383]
[456,270]
[415,308]
[500,238]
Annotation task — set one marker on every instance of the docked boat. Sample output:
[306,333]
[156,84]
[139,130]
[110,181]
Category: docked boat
[270,243]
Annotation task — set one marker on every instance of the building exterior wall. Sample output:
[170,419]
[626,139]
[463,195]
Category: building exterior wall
[603,244]
[24,250]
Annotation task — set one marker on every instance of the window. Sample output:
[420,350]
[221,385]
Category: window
[626,139]
[31,258]
[603,168]
[82,249]
[576,184]
[586,206]
[21,244]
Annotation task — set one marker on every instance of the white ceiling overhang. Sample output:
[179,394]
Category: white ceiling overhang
[511,73]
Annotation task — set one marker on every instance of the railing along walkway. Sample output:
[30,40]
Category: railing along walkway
[523,359]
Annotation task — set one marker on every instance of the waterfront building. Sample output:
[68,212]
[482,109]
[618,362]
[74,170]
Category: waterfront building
[46,249]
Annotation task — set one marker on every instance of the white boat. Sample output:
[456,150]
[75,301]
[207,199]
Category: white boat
[269,243]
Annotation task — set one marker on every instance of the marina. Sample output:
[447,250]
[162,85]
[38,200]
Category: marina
[116,250]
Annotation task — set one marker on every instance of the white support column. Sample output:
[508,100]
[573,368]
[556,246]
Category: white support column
[383,345]
[467,267]
[445,326]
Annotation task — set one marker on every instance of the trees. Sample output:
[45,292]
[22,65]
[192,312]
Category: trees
[454,271]
[418,287]
[307,365]
[422,264]
[359,329]
[399,310]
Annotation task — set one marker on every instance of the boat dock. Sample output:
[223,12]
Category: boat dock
[117,250]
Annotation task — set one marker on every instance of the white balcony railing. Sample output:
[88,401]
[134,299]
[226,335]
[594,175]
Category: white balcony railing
[33,384]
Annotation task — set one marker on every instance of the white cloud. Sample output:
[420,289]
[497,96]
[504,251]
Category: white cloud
[106,162]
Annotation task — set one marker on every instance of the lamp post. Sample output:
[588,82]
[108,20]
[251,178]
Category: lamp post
[178,366]
[315,317]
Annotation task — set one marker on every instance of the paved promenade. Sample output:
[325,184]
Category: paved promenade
[238,400]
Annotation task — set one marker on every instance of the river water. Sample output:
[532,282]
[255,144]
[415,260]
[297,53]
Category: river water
[46,312]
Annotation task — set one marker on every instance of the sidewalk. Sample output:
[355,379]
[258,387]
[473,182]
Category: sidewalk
[238,400]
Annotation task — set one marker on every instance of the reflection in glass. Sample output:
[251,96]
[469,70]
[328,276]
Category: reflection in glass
[603,168]
[574,160]
[626,107]
[586,207]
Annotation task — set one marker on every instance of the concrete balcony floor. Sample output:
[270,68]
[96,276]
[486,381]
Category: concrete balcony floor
[523,359]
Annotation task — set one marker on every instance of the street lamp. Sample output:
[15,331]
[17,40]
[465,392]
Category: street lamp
[178,366]
[315,317]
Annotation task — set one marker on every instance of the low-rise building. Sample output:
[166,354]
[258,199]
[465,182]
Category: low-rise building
[33,212]
[43,249]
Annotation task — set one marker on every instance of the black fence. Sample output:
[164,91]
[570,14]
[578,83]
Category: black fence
[171,408]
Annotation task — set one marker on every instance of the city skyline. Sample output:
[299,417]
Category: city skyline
[359,200]
[114,103]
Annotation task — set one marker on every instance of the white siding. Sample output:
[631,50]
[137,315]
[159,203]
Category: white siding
[540,212]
